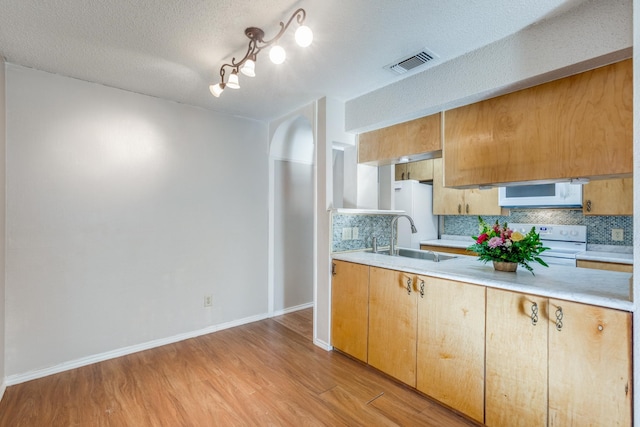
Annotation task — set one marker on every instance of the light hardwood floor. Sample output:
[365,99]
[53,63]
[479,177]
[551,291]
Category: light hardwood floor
[263,373]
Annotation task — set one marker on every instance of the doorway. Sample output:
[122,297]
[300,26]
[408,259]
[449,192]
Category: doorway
[292,248]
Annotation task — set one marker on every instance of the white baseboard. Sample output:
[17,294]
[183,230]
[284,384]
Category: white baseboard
[3,388]
[323,345]
[292,309]
[84,361]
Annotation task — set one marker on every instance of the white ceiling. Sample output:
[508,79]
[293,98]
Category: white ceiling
[174,49]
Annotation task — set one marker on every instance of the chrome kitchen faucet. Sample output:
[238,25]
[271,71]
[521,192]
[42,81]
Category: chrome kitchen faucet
[394,222]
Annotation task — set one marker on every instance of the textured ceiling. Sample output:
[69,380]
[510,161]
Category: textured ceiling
[174,49]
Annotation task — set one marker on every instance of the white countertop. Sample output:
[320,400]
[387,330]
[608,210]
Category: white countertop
[597,287]
[450,241]
[453,241]
[619,258]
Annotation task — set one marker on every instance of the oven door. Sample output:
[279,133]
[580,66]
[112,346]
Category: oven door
[559,194]
[560,256]
[571,262]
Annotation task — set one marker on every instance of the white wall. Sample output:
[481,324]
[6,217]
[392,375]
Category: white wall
[291,153]
[323,204]
[294,235]
[123,211]
[2,225]
[367,187]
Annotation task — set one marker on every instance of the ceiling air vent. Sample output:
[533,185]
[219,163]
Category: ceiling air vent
[413,61]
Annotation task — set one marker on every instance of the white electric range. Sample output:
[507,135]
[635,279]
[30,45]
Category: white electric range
[564,241]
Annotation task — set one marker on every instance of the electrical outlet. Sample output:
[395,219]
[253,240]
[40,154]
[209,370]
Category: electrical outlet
[354,233]
[208,300]
[617,234]
[346,233]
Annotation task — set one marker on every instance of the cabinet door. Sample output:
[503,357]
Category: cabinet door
[578,126]
[452,201]
[350,308]
[386,145]
[400,171]
[516,369]
[392,324]
[589,365]
[420,171]
[608,197]
[446,201]
[481,202]
[451,344]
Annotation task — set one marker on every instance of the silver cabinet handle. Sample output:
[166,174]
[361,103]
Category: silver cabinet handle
[534,314]
[421,288]
[559,316]
[409,283]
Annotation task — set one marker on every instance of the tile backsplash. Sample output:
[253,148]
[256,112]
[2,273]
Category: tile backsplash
[598,227]
[368,225]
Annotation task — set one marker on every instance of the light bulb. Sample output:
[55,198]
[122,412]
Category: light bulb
[233,82]
[277,54]
[249,68]
[304,36]
[217,89]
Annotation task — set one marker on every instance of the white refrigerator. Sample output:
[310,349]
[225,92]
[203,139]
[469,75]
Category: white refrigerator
[416,200]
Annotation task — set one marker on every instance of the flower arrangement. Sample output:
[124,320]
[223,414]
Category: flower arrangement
[500,243]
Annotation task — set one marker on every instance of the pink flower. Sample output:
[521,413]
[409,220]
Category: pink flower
[494,242]
[482,238]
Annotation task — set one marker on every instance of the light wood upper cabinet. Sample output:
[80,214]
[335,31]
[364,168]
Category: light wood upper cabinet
[350,308]
[516,371]
[420,171]
[453,201]
[385,146]
[608,197]
[573,367]
[578,126]
[451,344]
[589,365]
[393,323]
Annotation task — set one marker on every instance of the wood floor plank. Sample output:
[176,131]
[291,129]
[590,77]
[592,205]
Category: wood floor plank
[352,409]
[433,415]
[264,373]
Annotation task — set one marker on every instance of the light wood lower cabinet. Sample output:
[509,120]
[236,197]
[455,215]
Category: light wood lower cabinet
[600,265]
[429,333]
[447,249]
[451,342]
[350,308]
[516,370]
[589,365]
[556,363]
[500,357]
[393,323]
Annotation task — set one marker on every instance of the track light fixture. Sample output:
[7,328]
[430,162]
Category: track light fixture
[277,54]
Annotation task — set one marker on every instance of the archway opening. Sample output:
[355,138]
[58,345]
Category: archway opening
[292,164]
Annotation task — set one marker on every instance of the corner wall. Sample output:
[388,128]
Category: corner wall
[123,212]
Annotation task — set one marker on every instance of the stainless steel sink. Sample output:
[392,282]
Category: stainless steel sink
[419,254]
